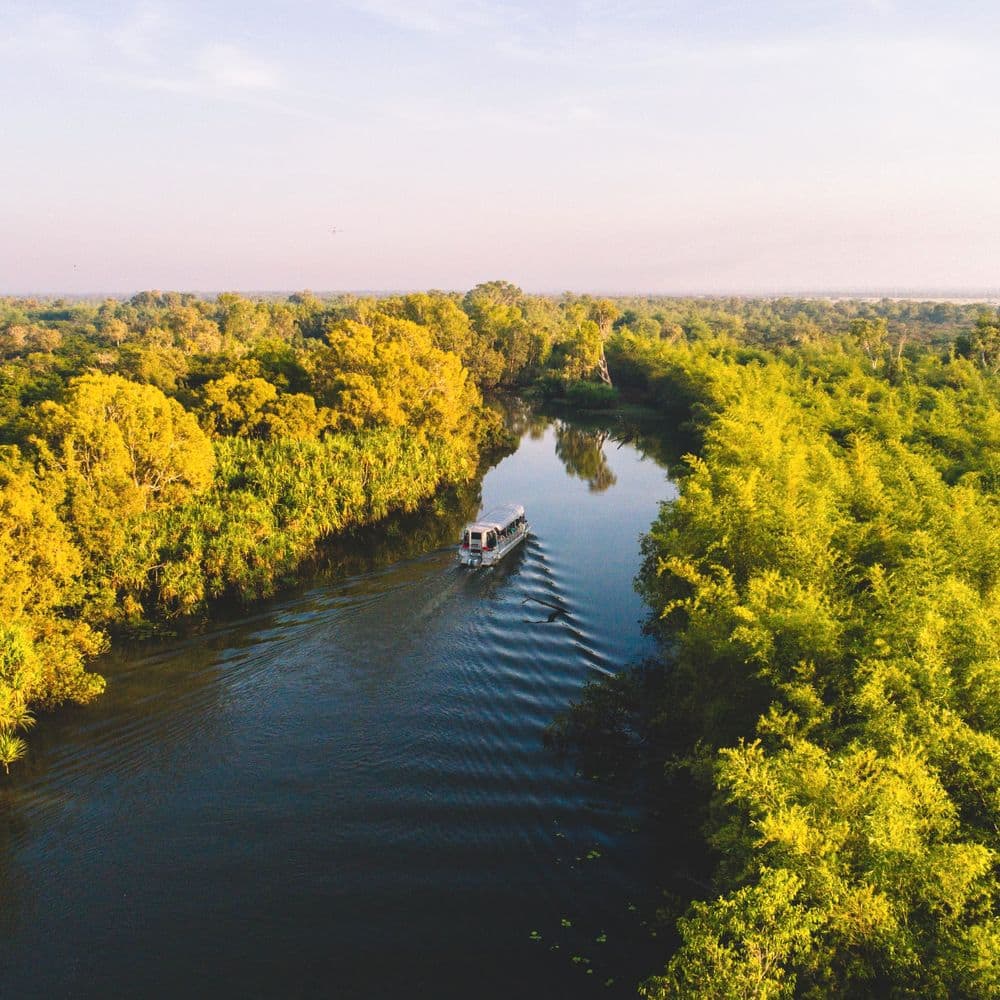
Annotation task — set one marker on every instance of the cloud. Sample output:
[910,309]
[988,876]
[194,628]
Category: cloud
[46,34]
[136,38]
[544,117]
[439,17]
[140,51]
[228,66]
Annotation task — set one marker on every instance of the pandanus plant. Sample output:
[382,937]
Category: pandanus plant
[12,747]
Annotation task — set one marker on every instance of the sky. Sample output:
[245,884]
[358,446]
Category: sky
[607,146]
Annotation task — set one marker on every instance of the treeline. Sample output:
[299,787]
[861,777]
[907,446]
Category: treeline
[210,353]
[827,588]
[791,321]
[197,350]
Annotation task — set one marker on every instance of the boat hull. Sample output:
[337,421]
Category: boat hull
[490,557]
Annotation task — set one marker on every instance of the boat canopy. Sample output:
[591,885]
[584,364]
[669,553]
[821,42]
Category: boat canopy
[498,518]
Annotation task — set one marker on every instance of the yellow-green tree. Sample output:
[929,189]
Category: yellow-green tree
[388,372]
[42,653]
[124,445]
[235,407]
[121,451]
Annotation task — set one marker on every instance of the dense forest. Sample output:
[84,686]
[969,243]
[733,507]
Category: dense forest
[826,587]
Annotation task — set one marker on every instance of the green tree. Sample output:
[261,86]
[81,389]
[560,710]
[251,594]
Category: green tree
[496,310]
[122,451]
[389,372]
[604,312]
[233,406]
[985,340]
[743,947]
[42,653]
[124,446]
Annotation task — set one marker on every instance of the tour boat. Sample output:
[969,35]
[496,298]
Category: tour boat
[490,538]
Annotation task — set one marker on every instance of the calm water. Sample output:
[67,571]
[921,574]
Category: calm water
[346,794]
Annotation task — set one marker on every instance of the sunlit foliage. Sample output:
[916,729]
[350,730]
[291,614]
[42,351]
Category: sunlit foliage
[171,451]
[829,581]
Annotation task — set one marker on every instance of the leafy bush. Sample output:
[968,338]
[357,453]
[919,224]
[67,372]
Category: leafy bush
[592,395]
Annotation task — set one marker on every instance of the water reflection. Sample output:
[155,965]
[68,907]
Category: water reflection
[582,453]
[522,418]
[403,536]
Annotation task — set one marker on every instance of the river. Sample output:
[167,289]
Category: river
[345,792]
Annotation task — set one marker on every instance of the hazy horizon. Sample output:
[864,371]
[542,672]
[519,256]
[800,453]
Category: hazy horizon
[619,148]
[988,295]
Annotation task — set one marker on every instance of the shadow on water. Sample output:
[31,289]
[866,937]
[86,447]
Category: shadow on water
[345,790]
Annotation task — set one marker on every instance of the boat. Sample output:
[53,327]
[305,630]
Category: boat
[486,541]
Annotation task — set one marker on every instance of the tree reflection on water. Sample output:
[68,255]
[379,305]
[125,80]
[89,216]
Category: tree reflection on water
[582,453]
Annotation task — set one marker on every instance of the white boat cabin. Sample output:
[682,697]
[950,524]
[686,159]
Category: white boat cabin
[490,538]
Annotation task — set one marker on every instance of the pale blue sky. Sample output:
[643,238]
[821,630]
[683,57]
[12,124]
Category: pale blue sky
[586,145]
